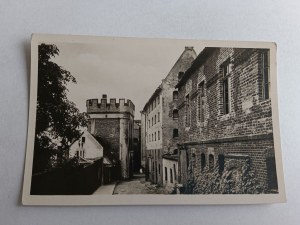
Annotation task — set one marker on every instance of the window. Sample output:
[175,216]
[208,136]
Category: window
[158,100]
[225,96]
[175,95]
[175,114]
[171,176]
[83,139]
[152,121]
[175,133]
[158,117]
[187,110]
[265,75]
[155,136]
[155,120]
[154,103]
[158,135]
[159,169]
[221,160]
[149,123]
[201,102]
[203,162]
[211,162]
[166,174]
[174,168]
[226,68]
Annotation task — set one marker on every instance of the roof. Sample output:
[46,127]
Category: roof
[201,58]
[111,157]
[153,96]
[171,157]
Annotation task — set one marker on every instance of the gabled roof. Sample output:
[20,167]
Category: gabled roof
[153,96]
[201,58]
[159,88]
[110,156]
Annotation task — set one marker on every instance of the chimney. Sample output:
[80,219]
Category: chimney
[189,47]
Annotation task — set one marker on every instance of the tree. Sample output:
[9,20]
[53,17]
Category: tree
[58,121]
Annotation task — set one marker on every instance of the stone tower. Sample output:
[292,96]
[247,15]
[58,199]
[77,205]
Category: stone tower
[114,122]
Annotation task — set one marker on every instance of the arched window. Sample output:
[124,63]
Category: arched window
[175,175]
[175,114]
[175,95]
[171,176]
[203,162]
[221,160]
[159,169]
[166,174]
[211,162]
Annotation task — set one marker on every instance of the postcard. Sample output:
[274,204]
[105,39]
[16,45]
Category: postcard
[141,121]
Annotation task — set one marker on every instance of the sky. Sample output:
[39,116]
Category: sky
[127,68]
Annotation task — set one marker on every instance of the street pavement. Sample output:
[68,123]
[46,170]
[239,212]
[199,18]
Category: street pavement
[138,185]
[107,189]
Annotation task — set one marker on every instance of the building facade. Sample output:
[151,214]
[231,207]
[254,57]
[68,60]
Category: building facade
[136,146]
[225,123]
[170,172]
[86,147]
[159,120]
[113,122]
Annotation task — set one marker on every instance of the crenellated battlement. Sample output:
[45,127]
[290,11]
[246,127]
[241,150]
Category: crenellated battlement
[111,106]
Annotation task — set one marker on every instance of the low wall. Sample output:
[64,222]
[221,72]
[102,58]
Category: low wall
[79,180]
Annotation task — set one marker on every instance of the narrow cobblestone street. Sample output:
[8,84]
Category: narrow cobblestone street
[138,185]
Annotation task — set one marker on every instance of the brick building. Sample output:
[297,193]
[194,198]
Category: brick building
[225,123]
[114,122]
[159,119]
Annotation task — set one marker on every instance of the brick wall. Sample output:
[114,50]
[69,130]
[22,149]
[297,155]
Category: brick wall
[246,129]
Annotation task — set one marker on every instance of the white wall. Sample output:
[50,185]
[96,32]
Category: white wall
[275,20]
[92,149]
[169,164]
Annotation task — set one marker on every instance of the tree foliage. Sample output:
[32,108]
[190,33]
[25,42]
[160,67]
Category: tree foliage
[58,121]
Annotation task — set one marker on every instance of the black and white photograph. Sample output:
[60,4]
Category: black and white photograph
[152,121]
